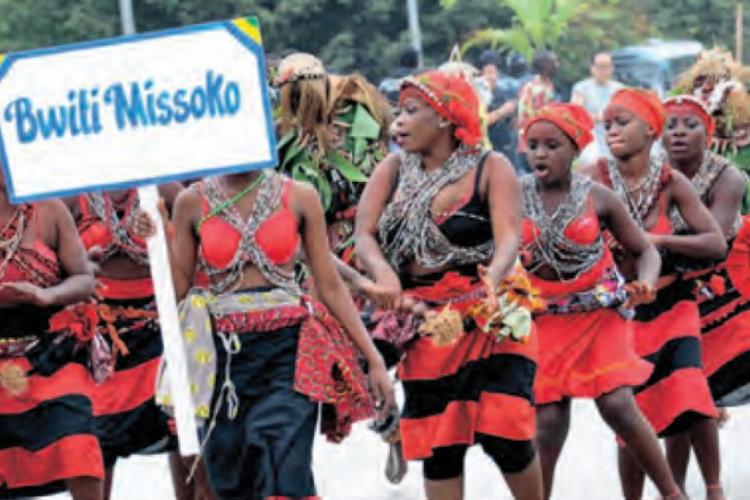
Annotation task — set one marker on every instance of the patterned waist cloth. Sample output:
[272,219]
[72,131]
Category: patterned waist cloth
[326,370]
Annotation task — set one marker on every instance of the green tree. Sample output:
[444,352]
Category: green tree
[536,25]
[711,22]
[572,28]
[348,35]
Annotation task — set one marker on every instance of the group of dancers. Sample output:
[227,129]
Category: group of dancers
[499,300]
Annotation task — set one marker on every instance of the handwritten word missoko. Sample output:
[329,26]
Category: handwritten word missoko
[135,105]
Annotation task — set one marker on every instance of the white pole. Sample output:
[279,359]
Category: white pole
[416,36]
[166,305]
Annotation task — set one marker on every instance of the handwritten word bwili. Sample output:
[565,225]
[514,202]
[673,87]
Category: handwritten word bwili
[135,105]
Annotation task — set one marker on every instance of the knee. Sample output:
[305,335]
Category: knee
[510,456]
[551,430]
[618,409]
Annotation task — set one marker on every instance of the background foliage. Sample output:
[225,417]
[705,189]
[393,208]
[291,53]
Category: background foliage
[366,35]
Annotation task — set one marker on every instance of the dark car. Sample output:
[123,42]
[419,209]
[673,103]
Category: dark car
[656,64]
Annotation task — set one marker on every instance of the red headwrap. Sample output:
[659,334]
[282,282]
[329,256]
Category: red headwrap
[645,104]
[688,105]
[451,97]
[572,119]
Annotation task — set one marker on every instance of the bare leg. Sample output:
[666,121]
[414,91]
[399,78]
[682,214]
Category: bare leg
[527,484]
[182,489]
[678,456]
[619,411]
[109,479]
[202,485]
[632,476]
[553,423]
[447,489]
[85,488]
[704,437]
[198,488]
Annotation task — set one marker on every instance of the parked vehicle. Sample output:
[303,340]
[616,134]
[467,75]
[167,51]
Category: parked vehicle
[655,64]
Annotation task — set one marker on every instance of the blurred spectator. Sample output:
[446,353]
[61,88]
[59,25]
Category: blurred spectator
[593,94]
[540,90]
[500,104]
[408,62]
[535,94]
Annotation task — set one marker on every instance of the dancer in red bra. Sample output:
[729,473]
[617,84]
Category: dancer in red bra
[47,432]
[128,419]
[720,287]
[585,343]
[676,398]
[269,353]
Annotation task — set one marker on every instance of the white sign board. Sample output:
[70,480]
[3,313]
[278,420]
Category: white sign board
[135,110]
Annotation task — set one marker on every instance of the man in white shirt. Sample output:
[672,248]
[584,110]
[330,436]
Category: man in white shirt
[594,94]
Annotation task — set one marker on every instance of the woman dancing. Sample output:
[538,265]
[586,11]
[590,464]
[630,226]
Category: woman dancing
[127,416]
[676,398]
[264,354]
[585,343]
[722,295]
[49,439]
[429,221]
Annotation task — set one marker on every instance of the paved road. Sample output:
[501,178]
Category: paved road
[354,470]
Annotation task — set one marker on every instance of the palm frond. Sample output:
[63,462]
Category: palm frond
[515,39]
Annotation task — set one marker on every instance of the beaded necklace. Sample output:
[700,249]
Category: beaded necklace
[640,199]
[11,236]
[551,247]
[267,201]
[711,168]
[35,267]
[406,228]
[102,207]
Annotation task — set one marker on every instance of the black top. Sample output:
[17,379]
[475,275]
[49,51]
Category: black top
[470,225]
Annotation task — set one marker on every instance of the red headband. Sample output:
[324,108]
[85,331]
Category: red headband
[688,105]
[451,97]
[572,119]
[645,104]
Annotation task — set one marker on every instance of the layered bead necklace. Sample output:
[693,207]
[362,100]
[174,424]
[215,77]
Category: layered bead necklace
[119,227]
[11,236]
[270,186]
[552,247]
[406,228]
[711,168]
[640,199]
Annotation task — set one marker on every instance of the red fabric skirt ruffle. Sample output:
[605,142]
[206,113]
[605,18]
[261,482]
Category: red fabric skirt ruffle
[586,355]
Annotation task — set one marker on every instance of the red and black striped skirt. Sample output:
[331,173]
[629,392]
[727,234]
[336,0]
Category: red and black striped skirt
[474,386]
[47,431]
[723,295]
[127,417]
[667,335]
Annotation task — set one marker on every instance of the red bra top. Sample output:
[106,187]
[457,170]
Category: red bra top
[94,232]
[277,237]
[38,264]
[584,229]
